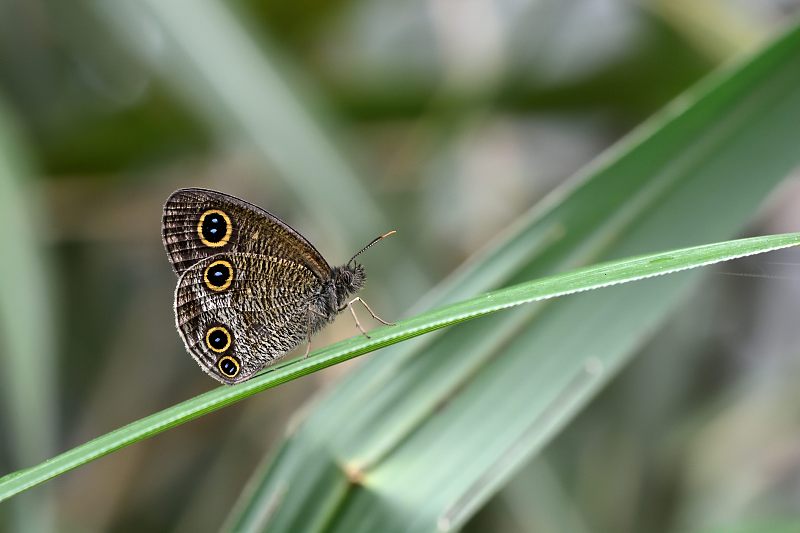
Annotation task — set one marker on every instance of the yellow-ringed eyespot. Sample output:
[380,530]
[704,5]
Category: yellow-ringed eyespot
[214,228]
[218,276]
[229,366]
[218,339]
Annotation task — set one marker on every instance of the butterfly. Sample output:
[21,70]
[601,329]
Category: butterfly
[250,288]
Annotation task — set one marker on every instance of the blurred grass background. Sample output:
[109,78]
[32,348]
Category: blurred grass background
[444,120]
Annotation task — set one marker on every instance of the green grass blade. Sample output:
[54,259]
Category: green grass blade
[27,332]
[580,280]
[234,83]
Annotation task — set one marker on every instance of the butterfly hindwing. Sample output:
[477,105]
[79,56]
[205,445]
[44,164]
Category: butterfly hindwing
[238,312]
[199,223]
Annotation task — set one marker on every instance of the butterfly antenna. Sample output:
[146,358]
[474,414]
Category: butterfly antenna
[367,247]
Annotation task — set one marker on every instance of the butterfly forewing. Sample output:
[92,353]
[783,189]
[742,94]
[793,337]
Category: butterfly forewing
[199,223]
[238,312]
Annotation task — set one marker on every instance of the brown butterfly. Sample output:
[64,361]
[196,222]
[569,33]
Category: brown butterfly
[250,288]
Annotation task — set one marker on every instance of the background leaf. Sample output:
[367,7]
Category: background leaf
[419,440]
[28,342]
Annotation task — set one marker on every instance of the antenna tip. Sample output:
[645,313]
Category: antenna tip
[388,234]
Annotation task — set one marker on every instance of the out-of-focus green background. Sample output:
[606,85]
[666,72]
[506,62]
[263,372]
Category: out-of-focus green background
[443,119]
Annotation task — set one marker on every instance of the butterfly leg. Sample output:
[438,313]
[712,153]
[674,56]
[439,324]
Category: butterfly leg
[308,330]
[371,312]
[310,312]
[358,324]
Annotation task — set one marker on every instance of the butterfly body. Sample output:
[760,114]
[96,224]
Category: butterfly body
[250,287]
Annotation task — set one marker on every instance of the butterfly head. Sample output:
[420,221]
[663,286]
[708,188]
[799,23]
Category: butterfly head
[348,279]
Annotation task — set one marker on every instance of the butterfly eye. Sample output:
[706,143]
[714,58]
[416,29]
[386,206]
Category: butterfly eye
[229,366]
[218,339]
[214,228]
[218,275]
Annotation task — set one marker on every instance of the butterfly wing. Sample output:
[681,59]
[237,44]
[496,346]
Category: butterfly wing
[238,312]
[199,223]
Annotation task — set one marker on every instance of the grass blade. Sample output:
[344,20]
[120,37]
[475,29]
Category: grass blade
[569,283]
[27,347]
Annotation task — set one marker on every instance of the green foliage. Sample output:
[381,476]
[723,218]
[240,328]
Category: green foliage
[444,125]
